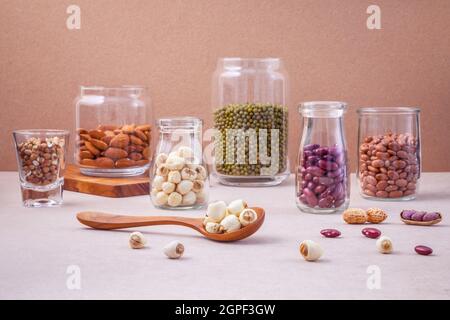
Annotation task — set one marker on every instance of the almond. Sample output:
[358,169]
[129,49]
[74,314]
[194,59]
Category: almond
[96,134]
[107,139]
[141,162]
[135,140]
[86,155]
[85,137]
[88,162]
[115,153]
[376,215]
[135,156]
[144,127]
[146,153]
[110,133]
[91,148]
[104,162]
[99,144]
[120,141]
[81,131]
[354,216]
[141,135]
[123,163]
[129,128]
[107,127]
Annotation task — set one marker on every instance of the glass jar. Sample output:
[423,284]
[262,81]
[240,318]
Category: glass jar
[251,122]
[322,175]
[113,131]
[389,164]
[41,158]
[179,176]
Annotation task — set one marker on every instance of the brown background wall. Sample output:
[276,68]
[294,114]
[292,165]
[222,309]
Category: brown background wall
[172,47]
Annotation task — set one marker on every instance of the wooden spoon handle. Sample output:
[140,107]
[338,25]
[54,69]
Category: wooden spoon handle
[106,221]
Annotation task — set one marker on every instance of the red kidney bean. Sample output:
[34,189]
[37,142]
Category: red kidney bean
[326,181]
[330,233]
[324,170]
[315,171]
[423,250]
[320,189]
[372,233]
[321,151]
[311,147]
[310,197]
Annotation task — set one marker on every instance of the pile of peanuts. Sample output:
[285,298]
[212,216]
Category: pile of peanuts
[111,146]
[389,165]
[41,160]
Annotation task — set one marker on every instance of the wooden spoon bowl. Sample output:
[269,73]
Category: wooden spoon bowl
[107,221]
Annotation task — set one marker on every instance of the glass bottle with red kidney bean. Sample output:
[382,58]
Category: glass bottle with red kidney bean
[389,162]
[322,175]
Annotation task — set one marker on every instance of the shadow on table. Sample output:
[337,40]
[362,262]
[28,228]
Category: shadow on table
[255,239]
[425,195]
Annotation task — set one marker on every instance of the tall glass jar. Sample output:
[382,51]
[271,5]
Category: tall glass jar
[251,122]
[113,131]
[322,175]
[179,178]
[389,164]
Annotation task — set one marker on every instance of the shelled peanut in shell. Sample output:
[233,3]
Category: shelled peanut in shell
[111,146]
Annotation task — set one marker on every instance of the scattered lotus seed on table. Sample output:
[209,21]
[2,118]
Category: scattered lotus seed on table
[384,245]
[174,250]
[310,250]
[137,240]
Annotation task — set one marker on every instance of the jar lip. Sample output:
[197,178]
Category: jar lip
[250,62]
[179,122]
[46,132]
[388,110]
[322,106]
[118,89]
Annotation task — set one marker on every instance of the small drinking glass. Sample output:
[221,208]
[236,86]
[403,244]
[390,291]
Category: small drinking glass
[41,161]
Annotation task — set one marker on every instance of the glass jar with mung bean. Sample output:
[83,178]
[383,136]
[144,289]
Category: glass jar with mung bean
[250,116]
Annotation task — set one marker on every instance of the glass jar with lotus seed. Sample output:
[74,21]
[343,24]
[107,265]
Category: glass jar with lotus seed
[322,175]
[389,159]
[251,122]
[179,178]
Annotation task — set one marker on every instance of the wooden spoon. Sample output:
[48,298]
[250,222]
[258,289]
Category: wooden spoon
[106,221]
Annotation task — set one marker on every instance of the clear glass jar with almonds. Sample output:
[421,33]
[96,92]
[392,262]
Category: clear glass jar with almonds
[113,137]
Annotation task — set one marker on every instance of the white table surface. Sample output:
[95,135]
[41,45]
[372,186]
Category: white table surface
[38,245]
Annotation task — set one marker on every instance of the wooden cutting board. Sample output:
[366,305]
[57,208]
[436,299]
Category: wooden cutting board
[105,187]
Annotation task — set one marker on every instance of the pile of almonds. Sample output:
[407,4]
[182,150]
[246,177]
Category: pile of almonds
[389,165]
[111,146]
[41,160]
